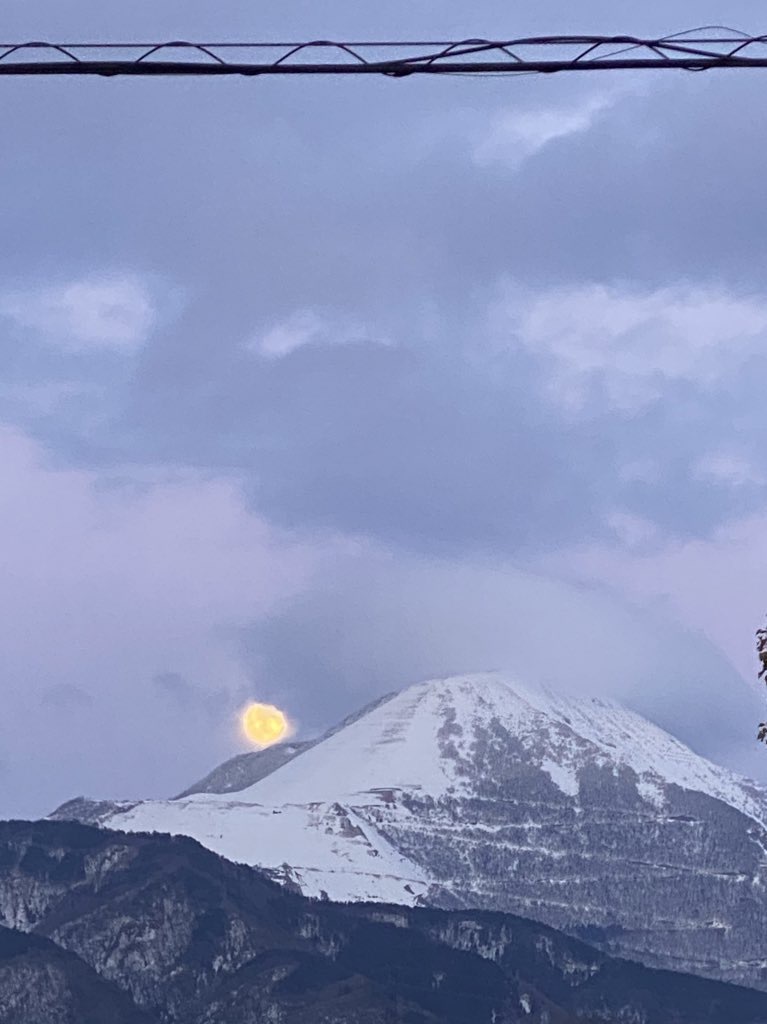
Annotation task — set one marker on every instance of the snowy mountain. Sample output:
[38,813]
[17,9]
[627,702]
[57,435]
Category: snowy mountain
[479,792]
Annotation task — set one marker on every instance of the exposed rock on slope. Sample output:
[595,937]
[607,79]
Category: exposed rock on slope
[195,940]
[40,983]
[91,812]
[245,770]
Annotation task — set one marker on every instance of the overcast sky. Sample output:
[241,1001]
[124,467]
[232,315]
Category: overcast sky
[312,388]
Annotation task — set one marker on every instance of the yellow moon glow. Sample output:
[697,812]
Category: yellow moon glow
[264,724]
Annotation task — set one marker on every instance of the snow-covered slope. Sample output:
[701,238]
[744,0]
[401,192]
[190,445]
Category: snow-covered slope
[423,741]
[324,849]
[481,791]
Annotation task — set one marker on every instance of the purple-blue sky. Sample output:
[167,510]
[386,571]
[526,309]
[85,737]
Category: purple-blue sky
[312,388]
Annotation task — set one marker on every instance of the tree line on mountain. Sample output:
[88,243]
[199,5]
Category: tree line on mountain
[761,652]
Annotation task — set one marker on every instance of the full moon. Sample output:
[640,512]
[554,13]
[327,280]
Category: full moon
[264,724]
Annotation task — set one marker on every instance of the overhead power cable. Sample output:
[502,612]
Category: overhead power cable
[694,50]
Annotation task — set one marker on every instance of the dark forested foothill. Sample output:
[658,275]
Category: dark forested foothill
[152,928]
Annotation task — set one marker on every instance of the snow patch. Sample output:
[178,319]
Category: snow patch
[563,776]
[329,848]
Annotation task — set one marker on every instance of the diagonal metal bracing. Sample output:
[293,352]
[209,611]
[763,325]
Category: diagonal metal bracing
[696,50]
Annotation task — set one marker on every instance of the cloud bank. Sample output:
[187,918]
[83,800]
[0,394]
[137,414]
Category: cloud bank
[374,623]
[119,600]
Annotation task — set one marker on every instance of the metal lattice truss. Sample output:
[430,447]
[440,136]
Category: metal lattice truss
[695,50]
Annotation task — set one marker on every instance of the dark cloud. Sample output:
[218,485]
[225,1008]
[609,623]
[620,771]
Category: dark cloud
[66,697]
[425,448]
[175,687]
[184,696]
[381,440]
[365,203]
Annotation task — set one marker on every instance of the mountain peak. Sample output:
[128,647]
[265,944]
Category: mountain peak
[483,791]
[442,737]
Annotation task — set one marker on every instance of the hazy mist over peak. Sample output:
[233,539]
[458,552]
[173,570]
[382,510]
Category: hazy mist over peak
[377,624]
